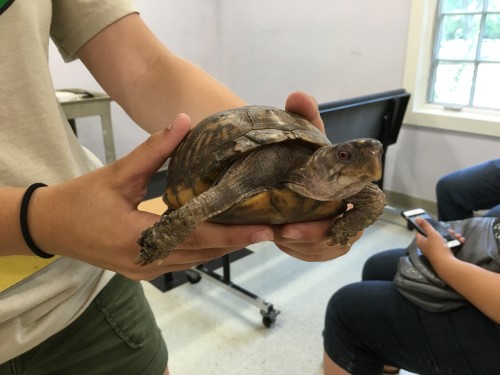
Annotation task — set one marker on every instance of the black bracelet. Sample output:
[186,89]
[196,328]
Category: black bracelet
[24,222]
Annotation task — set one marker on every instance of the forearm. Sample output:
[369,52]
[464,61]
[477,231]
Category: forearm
[479,286]
[12,242]
[158,97]
[151,83]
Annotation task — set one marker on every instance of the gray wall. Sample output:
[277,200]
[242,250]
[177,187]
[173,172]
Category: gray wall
[265,49]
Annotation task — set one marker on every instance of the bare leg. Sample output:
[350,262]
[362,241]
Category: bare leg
[331,368]
[166,372]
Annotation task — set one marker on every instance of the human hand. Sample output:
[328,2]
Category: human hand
[305,241]
[305,105]
[94,218]
[309,240]
[433,246]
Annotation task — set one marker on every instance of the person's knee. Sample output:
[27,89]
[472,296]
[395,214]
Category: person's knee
[454,186]
[371,267]
[342,300]
[446,185]
[382,266]
[494,212]
[345,292]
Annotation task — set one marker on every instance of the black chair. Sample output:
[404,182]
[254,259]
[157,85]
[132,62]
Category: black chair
[378,116]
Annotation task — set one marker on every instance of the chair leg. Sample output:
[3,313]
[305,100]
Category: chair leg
[269,314]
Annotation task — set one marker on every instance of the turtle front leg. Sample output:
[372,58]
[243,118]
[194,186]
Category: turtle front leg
[368,205]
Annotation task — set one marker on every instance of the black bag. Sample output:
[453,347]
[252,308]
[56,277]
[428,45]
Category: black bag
[417,281]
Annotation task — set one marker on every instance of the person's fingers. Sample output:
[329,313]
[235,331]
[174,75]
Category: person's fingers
[426,227]
[458,236]
[312,231]
[431,239]
[148,157]
[306,106]
[207,242]
[315,252]
[309,241]
[212,236]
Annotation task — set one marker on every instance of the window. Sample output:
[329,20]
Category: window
[466,55]
[453,65]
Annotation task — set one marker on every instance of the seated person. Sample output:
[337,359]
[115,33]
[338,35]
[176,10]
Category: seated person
[476,188]
[369,324]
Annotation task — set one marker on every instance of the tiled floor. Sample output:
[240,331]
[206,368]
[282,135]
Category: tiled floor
[211,331]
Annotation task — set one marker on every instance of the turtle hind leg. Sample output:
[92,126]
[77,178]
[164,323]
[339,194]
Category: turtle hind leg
[368,205]
[175,226]
[157,242]
[151,240]
[237,185]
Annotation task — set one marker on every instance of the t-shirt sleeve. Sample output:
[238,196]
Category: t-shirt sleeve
[75,22]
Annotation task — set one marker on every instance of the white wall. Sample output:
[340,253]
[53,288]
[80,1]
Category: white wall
[263,50]
[422,155]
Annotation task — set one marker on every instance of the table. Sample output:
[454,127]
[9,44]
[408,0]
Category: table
[83,103]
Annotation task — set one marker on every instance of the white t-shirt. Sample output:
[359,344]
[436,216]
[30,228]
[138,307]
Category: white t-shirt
[37,145]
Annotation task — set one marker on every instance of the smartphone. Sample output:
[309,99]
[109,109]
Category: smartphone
[411,215]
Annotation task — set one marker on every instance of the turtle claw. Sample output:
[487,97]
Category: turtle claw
[158,241]
[368,204]
[152,247]
[340,237]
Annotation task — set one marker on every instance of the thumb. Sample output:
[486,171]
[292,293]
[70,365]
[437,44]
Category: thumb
[306,106]
[154,151]
[426,227]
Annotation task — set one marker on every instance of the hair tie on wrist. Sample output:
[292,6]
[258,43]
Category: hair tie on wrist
[24,222]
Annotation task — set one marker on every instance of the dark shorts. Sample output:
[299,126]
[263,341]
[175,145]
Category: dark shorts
[117,334]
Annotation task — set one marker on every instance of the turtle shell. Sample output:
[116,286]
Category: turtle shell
[221,139]
[262,165]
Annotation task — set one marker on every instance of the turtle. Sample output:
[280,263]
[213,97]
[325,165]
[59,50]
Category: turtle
[263,165]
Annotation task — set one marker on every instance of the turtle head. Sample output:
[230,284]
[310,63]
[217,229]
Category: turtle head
[339,171]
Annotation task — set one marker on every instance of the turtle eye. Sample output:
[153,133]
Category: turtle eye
[344,155]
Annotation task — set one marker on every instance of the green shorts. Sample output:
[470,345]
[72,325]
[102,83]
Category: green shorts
[117,334]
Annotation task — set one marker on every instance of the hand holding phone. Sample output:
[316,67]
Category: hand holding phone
[411,215]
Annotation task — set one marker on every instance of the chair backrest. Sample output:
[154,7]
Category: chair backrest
[378,116]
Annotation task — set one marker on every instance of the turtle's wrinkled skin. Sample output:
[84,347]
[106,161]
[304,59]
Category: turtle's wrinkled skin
[262,165]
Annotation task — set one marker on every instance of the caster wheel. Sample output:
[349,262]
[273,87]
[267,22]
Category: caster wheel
[268,318]
[193,277]
[268,321]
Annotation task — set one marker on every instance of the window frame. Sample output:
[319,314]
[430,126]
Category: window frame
[417,75]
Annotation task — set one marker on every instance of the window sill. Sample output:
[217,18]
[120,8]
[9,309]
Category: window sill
[467,120]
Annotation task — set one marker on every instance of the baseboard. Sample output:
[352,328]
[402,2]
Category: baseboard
[404,201]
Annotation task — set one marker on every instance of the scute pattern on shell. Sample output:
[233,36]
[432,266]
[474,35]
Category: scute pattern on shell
[224,137]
